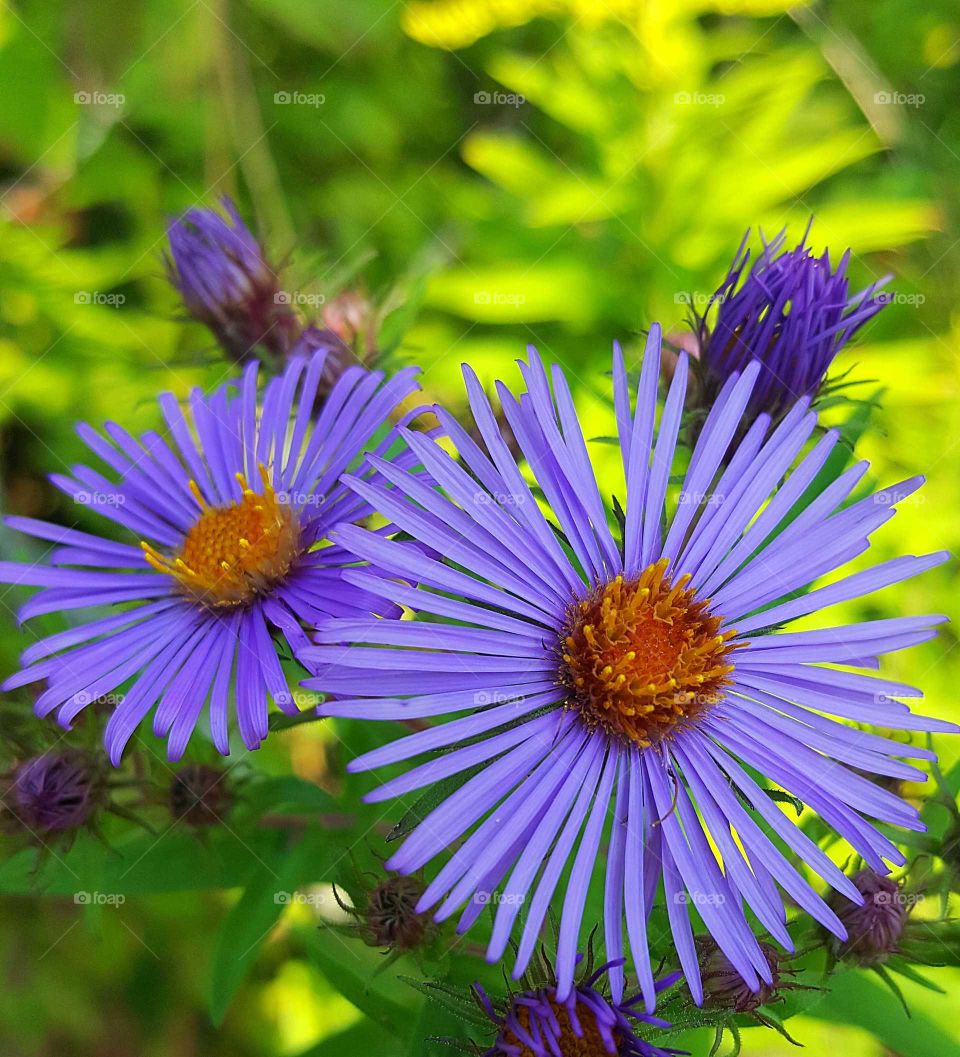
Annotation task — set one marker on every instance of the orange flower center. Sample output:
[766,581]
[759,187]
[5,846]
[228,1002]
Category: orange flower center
[589,1044]
[234,553]
[642,656]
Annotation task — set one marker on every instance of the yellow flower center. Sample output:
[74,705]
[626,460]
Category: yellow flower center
[234,553]
[589,1044]
[641,656]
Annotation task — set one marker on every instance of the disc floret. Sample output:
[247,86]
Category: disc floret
[640,656]
[236,552]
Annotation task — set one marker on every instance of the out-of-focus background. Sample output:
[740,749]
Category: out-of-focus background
[487,174]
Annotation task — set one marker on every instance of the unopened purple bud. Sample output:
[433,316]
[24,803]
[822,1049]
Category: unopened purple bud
[725,988]
[226,283]
[790,310]
[57,791]
[340,356]
[873,929]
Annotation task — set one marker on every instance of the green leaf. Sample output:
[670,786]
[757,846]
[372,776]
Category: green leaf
[904,968]
[350,968]
[364,1037]
[439,1022]
[254,915]
[289,793]
[855,999]
[428,801]
[782,797]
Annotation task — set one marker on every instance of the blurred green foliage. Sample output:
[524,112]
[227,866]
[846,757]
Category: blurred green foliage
[495,172]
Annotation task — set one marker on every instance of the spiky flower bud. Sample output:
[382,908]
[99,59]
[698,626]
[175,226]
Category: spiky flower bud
[200,795]
[56,791]
[339,356]
[725,988]
[873,929]
[392,921]
[791,311]
[227,283]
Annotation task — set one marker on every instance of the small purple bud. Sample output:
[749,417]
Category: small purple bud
[725,988]
[57,791]
[227,284]
[340,356]
[873,929]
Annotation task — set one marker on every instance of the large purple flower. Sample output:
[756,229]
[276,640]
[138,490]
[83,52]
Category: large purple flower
[791,311]
[228,521]
[642,668]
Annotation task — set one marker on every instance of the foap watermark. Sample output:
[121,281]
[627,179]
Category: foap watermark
[889,699]
[300,500]
[111,700]
[305,899]
[700,898]
[492,697]
[302,699]
[898,898]
[297,98]
[510,899]
[699,99]
[914,99]
[99,297]
[98,98]
[498,499]
[498,297]
[99,899]
[697,300]
[700,499]
[692,700]
[893,297]
[299,297]
[514,99]
[889,499]
[99,498]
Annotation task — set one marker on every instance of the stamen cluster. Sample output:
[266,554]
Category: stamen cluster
[234,553]
[640,656]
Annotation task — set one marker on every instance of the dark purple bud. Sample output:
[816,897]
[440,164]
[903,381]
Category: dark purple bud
[57,791]
[200,795]
[725,988]
[873,929]
[340,356]
[792,311]
[391,915]
[227,284]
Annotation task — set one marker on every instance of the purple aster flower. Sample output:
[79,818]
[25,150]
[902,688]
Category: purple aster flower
[227,283]
[228,518]
[643,670]
[542,1023]
[792,312]
[56,791]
